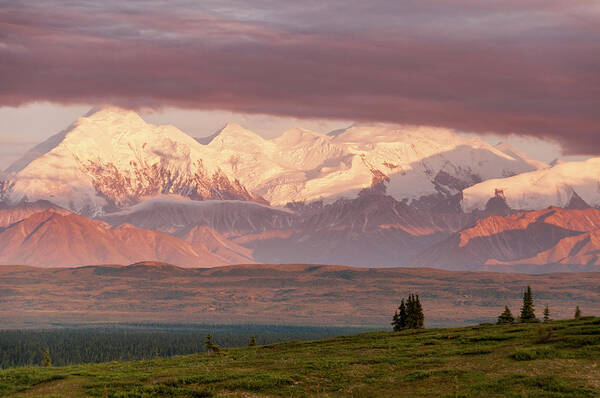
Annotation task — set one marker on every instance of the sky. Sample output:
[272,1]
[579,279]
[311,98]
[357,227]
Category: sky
[505,70]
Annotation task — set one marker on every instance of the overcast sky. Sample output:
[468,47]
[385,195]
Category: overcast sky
[497,68]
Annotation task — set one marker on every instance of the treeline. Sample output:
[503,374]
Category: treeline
[65,347]
[527,314]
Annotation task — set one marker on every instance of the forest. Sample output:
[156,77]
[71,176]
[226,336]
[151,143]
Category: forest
[68,346]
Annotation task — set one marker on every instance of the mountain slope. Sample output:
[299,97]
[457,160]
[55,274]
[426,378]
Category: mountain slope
[10,214]
[415,162]
[208,240]
[228,217]
[54,238]
[564,185]
[373,230]
[111,158]
[516,154]
[542,238]
[582,249]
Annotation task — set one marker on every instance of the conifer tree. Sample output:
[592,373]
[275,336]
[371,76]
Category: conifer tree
[402,315]
[46,362]
[527,310]
[410,312]
[396,322]
[399,319]
[414,312]
[252,341]
[577,313]
[546,314]
[419,317]
[506,316]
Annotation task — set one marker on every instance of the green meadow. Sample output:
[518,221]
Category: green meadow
[554,359]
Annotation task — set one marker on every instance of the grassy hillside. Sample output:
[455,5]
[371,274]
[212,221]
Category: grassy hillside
[559,359]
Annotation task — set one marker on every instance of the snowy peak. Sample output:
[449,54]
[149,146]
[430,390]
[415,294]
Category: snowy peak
[569,184]
[104,132]
[112,114]
[112,158]
[369,133]
[232,135]
[300,137]
[116,129]
[518,155]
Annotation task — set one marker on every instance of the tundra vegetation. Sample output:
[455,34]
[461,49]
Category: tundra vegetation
[551,359]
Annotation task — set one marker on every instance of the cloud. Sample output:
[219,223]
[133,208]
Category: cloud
[508,67]
[11,149]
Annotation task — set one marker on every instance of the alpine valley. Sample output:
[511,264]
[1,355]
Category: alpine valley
[113,189]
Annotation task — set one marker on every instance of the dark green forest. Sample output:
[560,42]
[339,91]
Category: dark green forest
[142,341]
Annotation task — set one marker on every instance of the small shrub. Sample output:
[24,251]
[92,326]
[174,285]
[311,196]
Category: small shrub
[579,341]
[477,351]
[261,382]
[532,354]
[477,339]
[544,335]
[418,375]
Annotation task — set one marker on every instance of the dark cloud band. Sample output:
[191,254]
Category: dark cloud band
[512,67]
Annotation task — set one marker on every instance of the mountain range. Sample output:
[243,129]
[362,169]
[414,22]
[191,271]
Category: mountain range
[113,189]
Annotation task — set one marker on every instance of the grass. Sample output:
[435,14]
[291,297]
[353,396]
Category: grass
[478,361]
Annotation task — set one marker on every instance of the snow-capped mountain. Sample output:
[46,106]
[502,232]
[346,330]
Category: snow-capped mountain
[111,158]
[367,195]
[513,152]
[568,184]
[414,162]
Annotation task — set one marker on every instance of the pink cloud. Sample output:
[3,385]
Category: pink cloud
[512,67]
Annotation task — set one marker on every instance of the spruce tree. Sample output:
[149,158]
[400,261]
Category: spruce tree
[252,341]
[46,362]
[546,314]
[396,322]
[577,313]
[402,315]
[419,317]
[527,310]
[414,313]
[410,312]
[506,316]
[399,319]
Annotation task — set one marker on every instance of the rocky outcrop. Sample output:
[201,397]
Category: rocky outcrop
[123,189]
